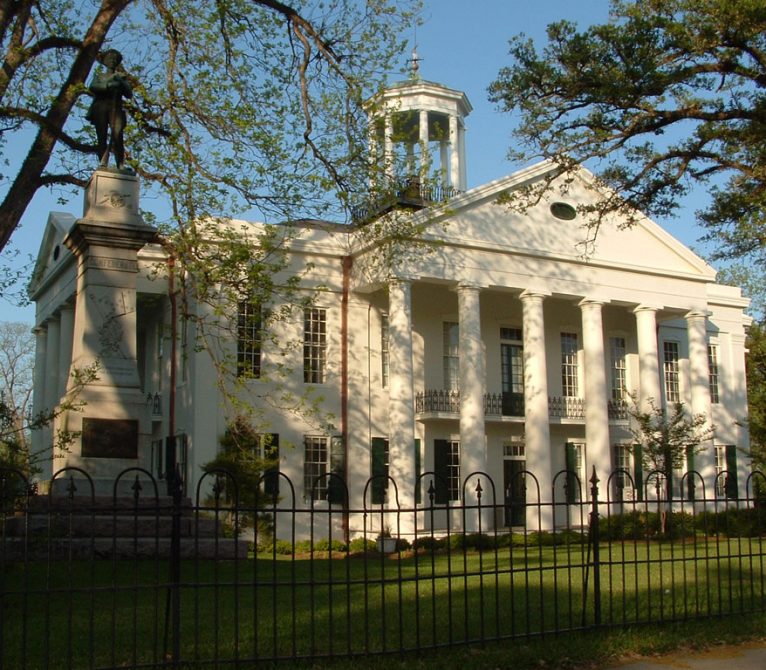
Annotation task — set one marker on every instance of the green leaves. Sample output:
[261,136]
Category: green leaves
[668,93]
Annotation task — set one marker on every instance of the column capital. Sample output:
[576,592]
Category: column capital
[591,302]
[645,308]
[697,314]
[528,294]
[466,285]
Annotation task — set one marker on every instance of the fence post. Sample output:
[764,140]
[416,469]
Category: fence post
[594,539]
[174,587]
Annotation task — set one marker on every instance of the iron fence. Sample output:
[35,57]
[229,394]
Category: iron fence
[161,581]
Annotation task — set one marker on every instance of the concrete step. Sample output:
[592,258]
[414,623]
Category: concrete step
[121,548]
[43,504]
[84,524]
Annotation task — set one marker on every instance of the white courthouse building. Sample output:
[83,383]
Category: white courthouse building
[494,348]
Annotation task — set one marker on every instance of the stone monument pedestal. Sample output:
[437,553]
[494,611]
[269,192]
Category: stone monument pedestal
[114,424]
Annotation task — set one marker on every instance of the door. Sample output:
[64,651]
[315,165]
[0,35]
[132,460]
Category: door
[515,492]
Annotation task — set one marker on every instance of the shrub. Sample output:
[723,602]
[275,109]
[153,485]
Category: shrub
[427,543]
[360,545]
[325,545]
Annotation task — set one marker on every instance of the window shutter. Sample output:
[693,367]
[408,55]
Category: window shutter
[418,471]
[690,482]
[441,473]
[271,474]
[379,484]
[571,478]
[638,465]
[335,486]
[732,488]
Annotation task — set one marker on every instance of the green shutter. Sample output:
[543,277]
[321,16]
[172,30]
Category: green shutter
[571,476]
[732,488]
[638,470]
[379,472]
[335,486]
[271,474]
[418,471]
[441,472]
[690,480]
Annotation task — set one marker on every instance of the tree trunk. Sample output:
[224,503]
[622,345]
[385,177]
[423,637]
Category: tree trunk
[28,178]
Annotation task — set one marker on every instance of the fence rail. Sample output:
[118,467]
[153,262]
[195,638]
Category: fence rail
[159,581]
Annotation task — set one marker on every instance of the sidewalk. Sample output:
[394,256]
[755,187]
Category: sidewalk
[748,656]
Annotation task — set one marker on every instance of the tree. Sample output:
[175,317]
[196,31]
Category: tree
[666,438]
[17,358]
[248,465]
[755,363]
[237,104]
[667,94]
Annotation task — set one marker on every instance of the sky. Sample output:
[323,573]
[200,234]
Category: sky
[462,44]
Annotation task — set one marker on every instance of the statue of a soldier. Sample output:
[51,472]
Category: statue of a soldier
[109,87]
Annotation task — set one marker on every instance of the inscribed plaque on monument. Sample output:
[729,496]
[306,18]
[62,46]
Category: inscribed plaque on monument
[110,438]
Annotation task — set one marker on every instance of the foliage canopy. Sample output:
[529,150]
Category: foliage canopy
[238,104]
[666,94]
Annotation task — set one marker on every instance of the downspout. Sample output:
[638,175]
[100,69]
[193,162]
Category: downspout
[346,262]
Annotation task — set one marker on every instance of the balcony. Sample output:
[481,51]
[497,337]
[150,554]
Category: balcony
[434,403]
[406,193]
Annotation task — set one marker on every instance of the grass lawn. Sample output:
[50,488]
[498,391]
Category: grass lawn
[115,613]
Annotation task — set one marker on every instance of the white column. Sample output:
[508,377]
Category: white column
[454,163]
[51,378]
[388,145]
[473,450]
[596,409]
[648,362]
[52,358]
[444,163]
[462,182]
[536,421]
[401,403]
[424,153]
[65,352]
[699,377]
[39,444]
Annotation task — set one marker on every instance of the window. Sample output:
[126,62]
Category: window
[712,363]
[248,339]
[315,468]
[512,371]
[447,471]
[618,367]
[569,365]
[726,471]
[451,345]
[314,345]
[622,479]
[575,455]
[379,470]
[384,359]
[268,450]
[670,371]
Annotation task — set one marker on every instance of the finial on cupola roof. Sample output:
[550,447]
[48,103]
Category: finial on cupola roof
[415,63]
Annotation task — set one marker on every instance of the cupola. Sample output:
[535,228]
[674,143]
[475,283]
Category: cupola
[418,138]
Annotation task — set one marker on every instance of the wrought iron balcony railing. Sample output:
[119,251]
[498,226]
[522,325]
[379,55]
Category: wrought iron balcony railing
[408,192]
[444,401]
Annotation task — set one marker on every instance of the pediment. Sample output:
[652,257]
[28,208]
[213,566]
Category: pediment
[52,254]
[475,219]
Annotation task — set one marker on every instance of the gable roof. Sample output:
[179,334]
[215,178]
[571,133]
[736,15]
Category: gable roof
[52,255]
[476,219]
